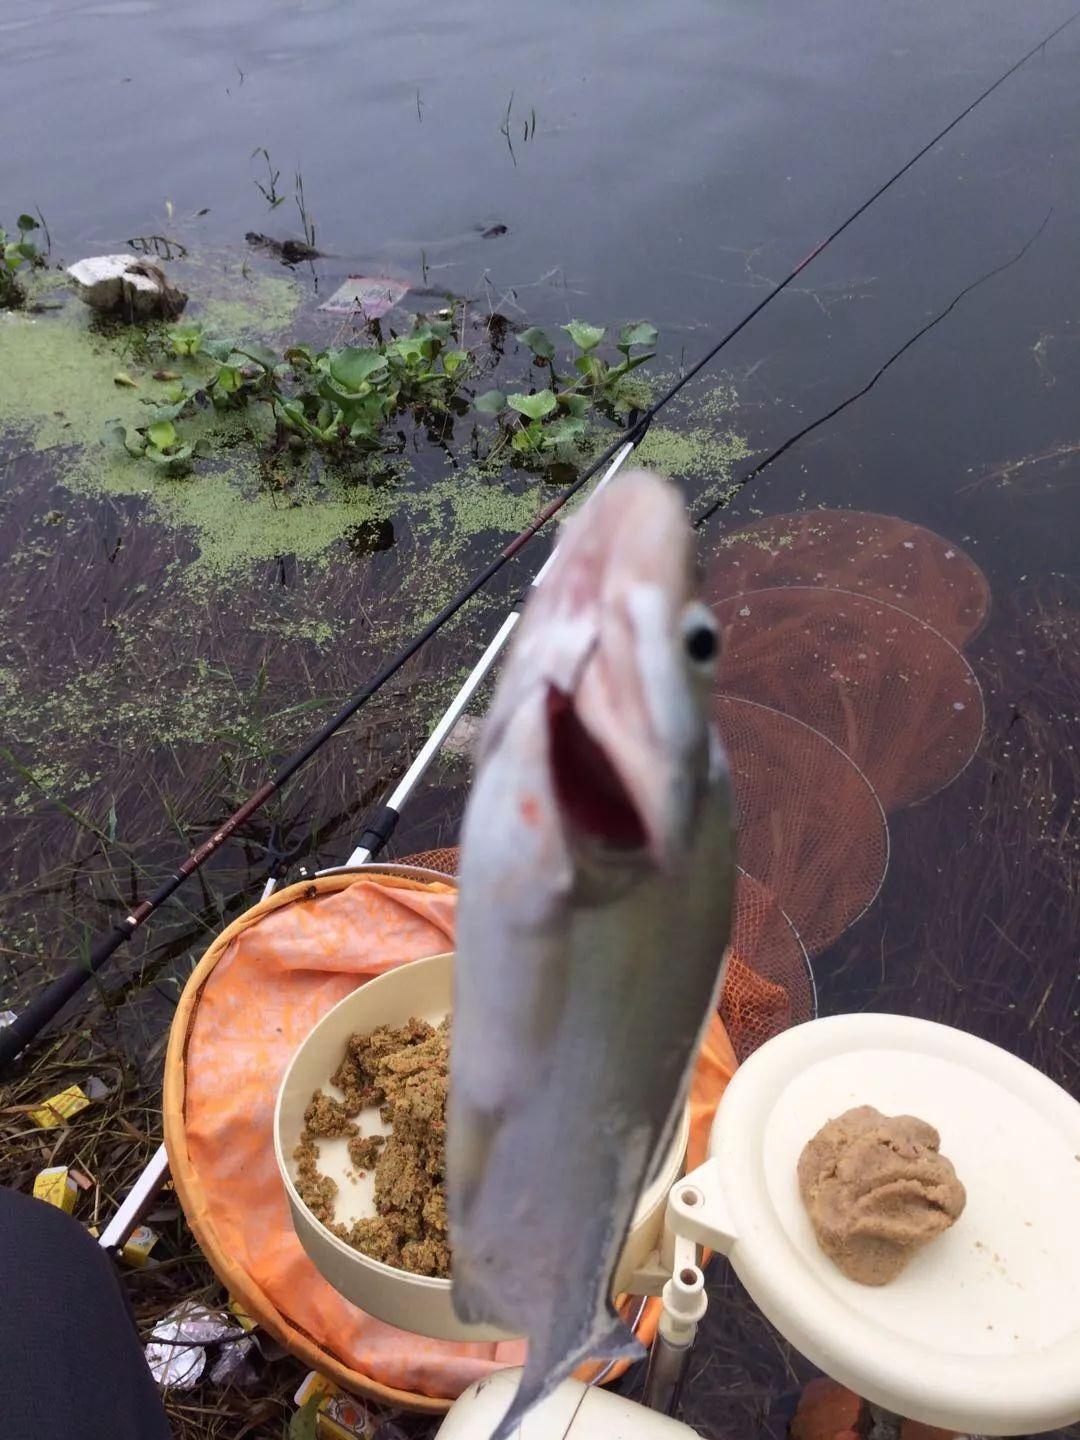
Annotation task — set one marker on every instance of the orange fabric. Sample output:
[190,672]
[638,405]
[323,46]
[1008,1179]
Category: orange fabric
[252,999]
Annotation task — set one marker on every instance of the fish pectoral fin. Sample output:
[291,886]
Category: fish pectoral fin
[610,1339]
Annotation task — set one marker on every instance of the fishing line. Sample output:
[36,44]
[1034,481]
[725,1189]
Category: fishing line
[728,495]
[55,996]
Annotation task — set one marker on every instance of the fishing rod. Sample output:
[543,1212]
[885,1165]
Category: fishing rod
[710,510]
[56,995]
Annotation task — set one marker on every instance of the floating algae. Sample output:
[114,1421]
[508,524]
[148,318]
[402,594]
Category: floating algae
[263,307]
[60,395]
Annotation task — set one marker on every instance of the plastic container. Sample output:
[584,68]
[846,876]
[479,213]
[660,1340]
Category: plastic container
[572,1412]
[418,1303]
[980,1333]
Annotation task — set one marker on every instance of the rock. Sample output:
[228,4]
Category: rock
[125,285]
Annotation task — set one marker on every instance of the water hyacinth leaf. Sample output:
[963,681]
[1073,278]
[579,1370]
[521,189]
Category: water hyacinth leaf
[261,354]
[585,337]
[534,407]
[162,434]
[538,342]
[175,463]
[576,405]
[117,433]
[640,334]
[412,349]
[527,440]
[27,222]
[453,360]
[588,365]
[228,380]
[186,339]
[633,361]
[490,403]
[563,431]
[219,350]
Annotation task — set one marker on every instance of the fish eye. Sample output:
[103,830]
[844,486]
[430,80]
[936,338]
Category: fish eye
[701,636]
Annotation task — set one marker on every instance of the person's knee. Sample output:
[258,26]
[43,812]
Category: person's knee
[42,1242]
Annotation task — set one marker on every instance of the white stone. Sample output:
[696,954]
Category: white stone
[128,286]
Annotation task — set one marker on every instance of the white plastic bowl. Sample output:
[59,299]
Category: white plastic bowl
[418,1303]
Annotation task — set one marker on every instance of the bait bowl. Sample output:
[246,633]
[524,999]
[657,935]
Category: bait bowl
[418,1303]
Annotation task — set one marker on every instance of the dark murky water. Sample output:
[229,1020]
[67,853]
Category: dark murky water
[682,158]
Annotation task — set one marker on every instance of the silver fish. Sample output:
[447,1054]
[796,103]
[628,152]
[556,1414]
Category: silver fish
[594,913]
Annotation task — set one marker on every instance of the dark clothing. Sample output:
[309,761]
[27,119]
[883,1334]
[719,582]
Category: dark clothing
[71,1365]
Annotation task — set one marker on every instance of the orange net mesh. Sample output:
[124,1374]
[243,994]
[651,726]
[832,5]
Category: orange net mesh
[886,688]
[253,997]
[811,829]
[876,555]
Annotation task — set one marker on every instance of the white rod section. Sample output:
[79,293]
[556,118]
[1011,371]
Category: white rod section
[140,1199]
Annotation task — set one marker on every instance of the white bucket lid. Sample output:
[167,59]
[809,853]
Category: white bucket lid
[981,1332]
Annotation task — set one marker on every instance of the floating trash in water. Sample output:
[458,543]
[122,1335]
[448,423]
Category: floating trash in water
[124,285]
[7,1017]
[367,295]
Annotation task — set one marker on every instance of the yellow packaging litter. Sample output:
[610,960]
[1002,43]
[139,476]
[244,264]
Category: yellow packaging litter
[56,1187]
[137,1249]
[242,1317]
[338,1415]
[59,1107]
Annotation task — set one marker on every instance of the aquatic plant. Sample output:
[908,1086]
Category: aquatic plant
[15,255]
[269,191]
[159,442]
[541,425]
[347,398]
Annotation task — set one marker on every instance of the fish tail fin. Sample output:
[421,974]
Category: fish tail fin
[610,1339]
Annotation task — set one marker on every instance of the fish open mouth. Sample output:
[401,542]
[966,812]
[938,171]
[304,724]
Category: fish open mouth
[589,790]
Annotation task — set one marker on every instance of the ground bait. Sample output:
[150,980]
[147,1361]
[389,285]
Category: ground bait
[403,1070]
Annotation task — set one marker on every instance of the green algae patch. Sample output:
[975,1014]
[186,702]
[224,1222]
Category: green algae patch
[257,306]
[237,524]
[59,378]
[60,394]
[698,453]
